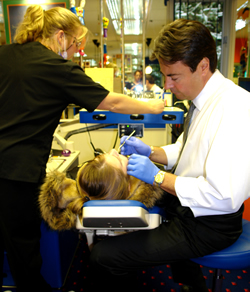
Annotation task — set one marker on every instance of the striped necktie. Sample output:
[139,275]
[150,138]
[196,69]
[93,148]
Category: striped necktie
[185,133]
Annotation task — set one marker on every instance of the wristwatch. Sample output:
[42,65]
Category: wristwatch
[159,178]
[152,151]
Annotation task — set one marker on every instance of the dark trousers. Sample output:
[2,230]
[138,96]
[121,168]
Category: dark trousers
[177,241]
[20,234]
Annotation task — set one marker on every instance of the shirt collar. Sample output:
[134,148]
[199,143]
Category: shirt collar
[208,91]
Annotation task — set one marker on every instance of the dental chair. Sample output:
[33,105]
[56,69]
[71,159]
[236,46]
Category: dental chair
[114,217]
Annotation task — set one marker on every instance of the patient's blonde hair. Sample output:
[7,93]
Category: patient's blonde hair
[101,181]
[41,25]
[61,199]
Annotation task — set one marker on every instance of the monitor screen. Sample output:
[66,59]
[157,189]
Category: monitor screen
[244,82]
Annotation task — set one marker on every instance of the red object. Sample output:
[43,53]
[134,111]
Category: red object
[239,43]
[246,213]
[81,52]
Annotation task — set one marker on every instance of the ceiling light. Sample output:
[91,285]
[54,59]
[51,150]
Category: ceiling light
[133,15]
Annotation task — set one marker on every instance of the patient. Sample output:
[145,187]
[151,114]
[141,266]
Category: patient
[103,178]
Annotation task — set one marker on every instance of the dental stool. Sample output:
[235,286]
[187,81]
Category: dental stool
[234,257]
[114,217]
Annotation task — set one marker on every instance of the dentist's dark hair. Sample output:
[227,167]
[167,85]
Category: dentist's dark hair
[187,41]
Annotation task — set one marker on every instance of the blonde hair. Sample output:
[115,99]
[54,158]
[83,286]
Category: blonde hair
[41,25]
[61,199]
[101,181]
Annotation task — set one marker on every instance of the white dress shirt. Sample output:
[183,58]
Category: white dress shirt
[214,168]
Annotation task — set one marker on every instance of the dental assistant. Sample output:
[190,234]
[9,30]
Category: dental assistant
[37,82]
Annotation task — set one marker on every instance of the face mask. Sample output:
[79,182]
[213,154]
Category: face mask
[63,53]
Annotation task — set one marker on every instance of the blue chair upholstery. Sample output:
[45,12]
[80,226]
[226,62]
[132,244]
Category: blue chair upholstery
[236,256]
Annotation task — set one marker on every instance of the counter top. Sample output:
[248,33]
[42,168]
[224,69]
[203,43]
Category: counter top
[61,163]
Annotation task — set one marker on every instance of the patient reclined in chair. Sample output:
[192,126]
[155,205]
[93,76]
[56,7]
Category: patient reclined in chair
[61,199]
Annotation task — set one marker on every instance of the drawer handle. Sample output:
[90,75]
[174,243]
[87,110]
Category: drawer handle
[99,117]
[137,117]
[169,117]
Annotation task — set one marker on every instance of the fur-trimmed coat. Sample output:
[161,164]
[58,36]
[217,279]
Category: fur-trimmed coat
[60,201]
[145,193]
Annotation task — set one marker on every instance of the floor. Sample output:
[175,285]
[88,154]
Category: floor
[155,279]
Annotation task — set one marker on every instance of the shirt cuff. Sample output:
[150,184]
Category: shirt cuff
[172,153]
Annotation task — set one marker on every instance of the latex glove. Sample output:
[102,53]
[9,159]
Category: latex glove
[142,168]
[134,145]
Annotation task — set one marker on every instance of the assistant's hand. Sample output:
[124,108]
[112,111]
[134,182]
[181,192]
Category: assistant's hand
[134,145]
[142,168]
[157,105]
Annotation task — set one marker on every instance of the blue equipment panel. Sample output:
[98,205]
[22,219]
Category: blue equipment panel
[170,115]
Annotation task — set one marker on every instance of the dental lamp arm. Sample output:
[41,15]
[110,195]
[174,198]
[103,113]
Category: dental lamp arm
[60,140]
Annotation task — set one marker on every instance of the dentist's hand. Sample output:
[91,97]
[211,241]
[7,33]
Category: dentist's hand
[142,168]
[134,145]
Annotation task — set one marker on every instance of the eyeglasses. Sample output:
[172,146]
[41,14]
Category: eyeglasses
[78,44]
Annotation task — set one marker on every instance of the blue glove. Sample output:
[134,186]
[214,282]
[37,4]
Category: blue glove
[134,145]
[142,168]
